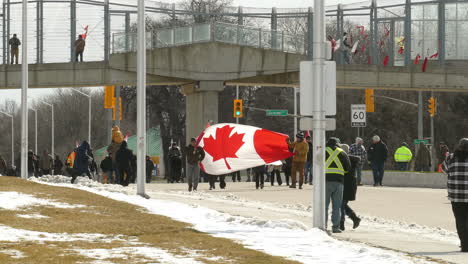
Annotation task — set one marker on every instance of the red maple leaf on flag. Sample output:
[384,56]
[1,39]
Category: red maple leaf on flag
[224,146]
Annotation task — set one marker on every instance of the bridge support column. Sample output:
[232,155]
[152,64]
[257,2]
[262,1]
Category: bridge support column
[201,106]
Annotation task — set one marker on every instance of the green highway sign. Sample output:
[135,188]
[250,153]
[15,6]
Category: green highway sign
[276,112]
[418,141]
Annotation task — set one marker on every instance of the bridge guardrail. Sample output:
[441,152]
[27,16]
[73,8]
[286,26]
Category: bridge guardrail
[220,32]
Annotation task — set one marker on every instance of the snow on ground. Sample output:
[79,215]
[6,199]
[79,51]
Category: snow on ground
[287,239]
[369,222]
[16,254]
[32,216]
[16,201]
[160,255]
[10,234]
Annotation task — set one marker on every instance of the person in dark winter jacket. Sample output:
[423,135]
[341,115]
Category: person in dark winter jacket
[3,166]
[195,155]
[350,190]
[377,155]
[336,165]
[175,163]
[58,165]
[133,163]
[106,169]
[423,158]
[82,161]
[124,161]
[456,168]
[31,164]
[287,165]
[149,169]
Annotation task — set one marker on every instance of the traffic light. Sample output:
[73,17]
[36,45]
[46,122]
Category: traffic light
[370,103]
[238,108]
[431,107]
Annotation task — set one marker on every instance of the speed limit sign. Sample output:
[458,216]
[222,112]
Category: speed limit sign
[358,115]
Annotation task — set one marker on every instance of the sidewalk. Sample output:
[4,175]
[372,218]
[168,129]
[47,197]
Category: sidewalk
[416,221]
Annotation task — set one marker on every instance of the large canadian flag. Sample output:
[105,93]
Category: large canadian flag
[233,147]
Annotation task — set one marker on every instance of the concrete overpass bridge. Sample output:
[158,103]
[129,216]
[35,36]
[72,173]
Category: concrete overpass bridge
[206,62]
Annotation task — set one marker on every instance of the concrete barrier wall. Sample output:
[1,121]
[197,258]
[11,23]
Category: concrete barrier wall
[408,179]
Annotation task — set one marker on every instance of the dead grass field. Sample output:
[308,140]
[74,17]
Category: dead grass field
[109,217]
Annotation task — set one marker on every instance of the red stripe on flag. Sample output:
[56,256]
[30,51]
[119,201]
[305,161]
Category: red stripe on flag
[385,61]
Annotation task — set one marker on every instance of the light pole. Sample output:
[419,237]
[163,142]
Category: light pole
[141,100]
[319,114]
[35,125]
[12,139]
[89,113]
[52,149]
[24,93]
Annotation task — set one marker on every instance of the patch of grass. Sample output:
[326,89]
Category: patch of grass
[107,216]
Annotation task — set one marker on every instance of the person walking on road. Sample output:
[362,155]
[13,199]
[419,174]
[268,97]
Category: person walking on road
[350,190]
[456,167]
[336,165]
[377,155]
[423,159]
[403,156]
[301,148]
[80,44]
[358,149]
[195,155]
[14,43]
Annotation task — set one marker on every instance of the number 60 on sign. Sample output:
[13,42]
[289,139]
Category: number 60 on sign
[358,115]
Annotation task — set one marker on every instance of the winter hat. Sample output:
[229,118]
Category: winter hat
[117,136]
[333,142]
[300,135]
[345,147]
[193,140]
[405,144]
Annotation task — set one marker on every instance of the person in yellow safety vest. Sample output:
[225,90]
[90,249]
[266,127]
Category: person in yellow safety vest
[336,165]
[403,156]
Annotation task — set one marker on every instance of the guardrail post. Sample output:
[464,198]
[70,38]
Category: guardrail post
[127,31]
[310,36]
[441,32]
[274,28]
[408,33]
[72,29]
[106,31]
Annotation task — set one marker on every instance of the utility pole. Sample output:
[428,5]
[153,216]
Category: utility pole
[141,100]
[296,91]
[24,93]
[319,114]
[52,148]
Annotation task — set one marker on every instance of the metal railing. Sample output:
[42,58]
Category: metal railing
[218,32]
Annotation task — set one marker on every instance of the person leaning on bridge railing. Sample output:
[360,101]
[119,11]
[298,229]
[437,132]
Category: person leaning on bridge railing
[14,43]
[456,168]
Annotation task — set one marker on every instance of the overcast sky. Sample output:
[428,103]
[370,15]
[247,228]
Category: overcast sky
[16,94]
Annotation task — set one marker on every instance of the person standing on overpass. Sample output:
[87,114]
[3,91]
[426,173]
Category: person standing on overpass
[80,44]
[456,167]
[377,155]
[14,43]
[403,156]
